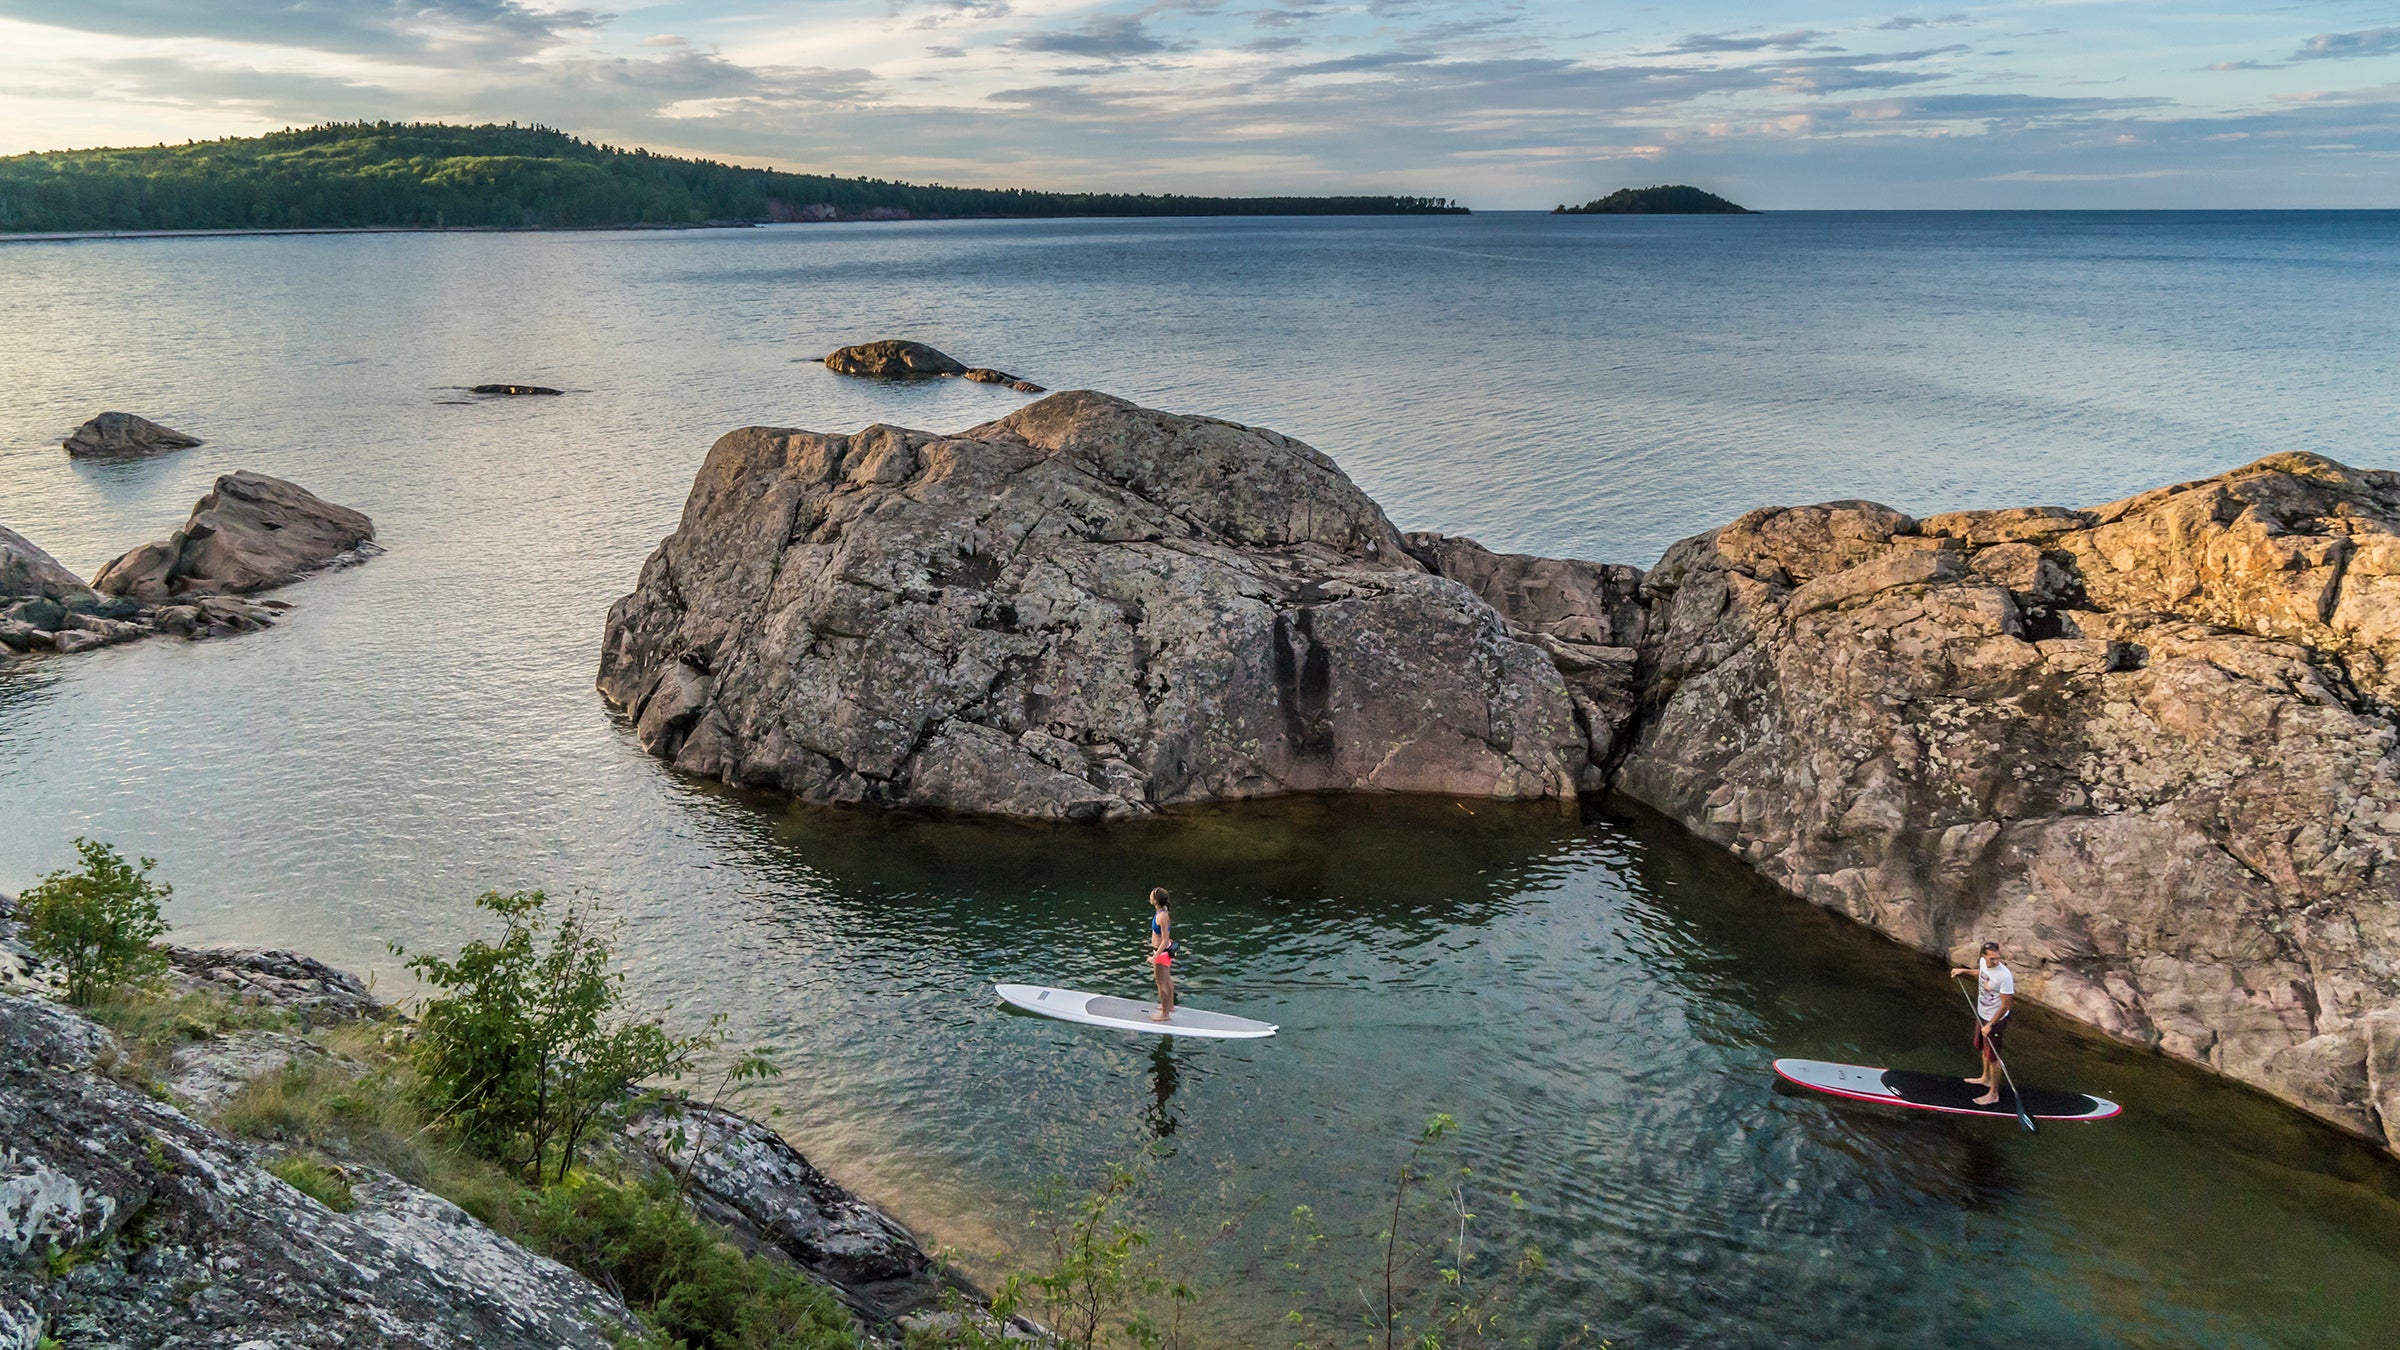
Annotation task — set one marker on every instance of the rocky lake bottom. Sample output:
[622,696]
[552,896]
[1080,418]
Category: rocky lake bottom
[1593,995]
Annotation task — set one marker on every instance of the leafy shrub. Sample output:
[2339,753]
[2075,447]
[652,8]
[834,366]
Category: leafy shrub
[323,1184]
[99,924]
[693,1289]
[529,1044]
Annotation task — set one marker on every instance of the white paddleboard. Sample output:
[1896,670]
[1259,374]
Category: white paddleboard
[1125,1014]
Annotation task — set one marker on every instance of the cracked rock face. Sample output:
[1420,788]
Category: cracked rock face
[2150,746]
[177,1236]
[1084,610]
[742,1175]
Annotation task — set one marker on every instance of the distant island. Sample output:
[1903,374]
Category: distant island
[395,175]
[1666,200]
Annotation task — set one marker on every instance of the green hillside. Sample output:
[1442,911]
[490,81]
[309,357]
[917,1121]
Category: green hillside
[510,177]
[1673,199]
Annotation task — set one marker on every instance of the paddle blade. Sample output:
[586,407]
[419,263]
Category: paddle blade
[2025,1118]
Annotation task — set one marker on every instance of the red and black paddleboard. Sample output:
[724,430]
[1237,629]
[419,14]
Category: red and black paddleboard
[1937,1092]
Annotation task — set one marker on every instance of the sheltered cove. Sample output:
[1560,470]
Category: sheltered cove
[2151,744]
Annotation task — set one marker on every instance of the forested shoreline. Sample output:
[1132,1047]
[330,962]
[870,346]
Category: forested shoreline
[367,175]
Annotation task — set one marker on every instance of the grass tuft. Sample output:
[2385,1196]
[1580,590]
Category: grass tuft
[317,1180]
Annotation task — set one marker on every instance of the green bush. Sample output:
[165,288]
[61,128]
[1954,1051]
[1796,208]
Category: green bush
[529,1044]
[98,925]
[323,1184]
[694,1290]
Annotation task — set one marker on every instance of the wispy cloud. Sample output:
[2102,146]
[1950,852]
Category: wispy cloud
[1699,43]
[1108,37]
[2336,46]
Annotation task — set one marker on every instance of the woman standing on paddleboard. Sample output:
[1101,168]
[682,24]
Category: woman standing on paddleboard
[1162,953]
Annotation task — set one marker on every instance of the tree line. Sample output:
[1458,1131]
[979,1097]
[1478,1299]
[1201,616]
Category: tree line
[433,176]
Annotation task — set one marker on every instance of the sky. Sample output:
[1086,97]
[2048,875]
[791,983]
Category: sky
[1503,104]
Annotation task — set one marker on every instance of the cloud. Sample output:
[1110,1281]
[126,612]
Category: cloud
[1111,37]
[355,27]
[2245,65]
[1702,43]
[1902,23]
[2336,46]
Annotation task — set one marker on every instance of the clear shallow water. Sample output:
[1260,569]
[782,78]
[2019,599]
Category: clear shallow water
[1594,999]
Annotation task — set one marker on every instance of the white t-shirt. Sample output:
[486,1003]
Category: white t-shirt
[1991,982]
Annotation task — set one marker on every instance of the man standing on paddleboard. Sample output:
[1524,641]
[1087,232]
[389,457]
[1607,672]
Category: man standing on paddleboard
[1162,953]
[1996,994]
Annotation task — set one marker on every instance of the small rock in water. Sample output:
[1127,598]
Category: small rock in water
[512,390]
[892,359]
[118,433]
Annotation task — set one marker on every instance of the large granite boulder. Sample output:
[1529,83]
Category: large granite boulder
[1084,610]
[123,435]
[249,533]
[2152,746]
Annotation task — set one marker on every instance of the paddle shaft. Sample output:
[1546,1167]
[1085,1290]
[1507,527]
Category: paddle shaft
[2024,1117]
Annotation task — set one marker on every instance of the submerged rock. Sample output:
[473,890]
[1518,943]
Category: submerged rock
[117,433]
[897,360]
[512,390]
[249,533]
[1084,610]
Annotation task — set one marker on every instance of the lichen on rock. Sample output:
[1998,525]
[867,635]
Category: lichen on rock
[1084,610]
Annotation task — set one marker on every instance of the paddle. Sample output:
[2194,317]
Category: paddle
[2024,1117]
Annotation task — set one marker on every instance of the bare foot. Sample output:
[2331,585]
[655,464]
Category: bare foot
[1160,1017]
[1993,1100]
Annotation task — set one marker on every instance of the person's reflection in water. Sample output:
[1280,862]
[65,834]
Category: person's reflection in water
[1163,1079]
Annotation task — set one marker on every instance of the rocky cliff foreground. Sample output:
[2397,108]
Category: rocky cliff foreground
[250,533]
[128,1219]
[2151,745]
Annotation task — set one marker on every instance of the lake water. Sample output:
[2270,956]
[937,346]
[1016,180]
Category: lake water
[1594,998]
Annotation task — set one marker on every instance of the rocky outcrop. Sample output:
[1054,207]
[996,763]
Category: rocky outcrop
[749,1180]
[298,984]
[2151,746]
[124,435]
[893,359]
[1084,610]
[125,1222]
[249,533]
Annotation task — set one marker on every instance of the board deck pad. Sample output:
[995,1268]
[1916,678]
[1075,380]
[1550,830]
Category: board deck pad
[1126,1014]
[1946,1093]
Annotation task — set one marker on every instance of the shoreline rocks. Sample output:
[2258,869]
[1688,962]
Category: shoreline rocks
[251,532]
[897,359]
[123,435]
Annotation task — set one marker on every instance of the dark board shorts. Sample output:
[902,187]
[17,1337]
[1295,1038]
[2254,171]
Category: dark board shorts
[1999,1033]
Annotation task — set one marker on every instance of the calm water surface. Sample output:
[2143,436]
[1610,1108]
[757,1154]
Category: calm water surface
[1595,999]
